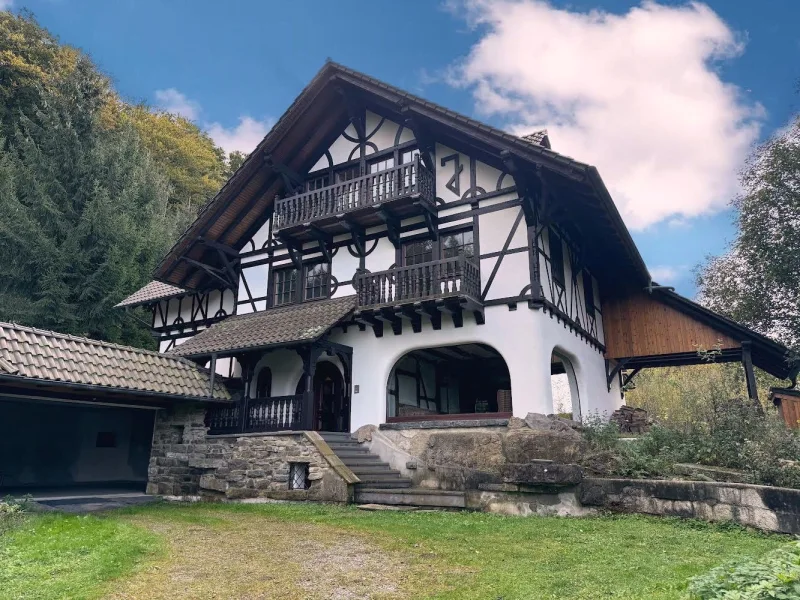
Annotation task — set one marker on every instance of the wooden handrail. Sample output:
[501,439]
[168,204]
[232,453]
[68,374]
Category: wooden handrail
[401,181]
[457,276]
[276,413]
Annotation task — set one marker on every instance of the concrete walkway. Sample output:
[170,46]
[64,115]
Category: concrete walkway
[86,500]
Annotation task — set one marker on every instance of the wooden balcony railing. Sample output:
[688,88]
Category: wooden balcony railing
[278,413]
[446,278]
[402,181]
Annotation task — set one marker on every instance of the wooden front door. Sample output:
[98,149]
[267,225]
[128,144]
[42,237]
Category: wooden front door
[331,405]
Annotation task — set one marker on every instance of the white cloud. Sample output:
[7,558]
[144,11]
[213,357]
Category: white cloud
[636,94]
[244,137]
[665,273]
[6,4]
[173,101]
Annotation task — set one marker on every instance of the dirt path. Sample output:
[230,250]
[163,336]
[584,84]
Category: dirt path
[250,557]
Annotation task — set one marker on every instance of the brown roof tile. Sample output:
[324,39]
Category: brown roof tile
[539,138]
[278,326]
[155,290]
[31,353]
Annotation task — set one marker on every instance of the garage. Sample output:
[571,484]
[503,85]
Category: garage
[78,414]
[46,445]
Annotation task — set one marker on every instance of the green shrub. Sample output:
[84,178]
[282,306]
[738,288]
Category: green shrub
[12,512]
[774,576]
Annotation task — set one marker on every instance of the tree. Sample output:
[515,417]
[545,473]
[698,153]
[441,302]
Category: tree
[83,215]
[233,162]
[756,282]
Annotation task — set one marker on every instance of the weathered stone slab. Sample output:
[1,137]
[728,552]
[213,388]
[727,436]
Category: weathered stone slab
[542,473]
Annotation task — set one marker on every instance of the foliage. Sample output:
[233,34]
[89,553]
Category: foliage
[69,556]
[274,546]
[774,576]
[84,215]
[731,434]
[234,160]
[93,190]
[12,512]
[756,282]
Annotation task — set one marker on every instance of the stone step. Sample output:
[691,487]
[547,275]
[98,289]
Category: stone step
[410,497]
[377,468]
[383,484]
[335,436]
[346,446]
[354,453]
[370,460]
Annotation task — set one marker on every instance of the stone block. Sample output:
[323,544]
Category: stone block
[236,493]
[542,473]
[206,463]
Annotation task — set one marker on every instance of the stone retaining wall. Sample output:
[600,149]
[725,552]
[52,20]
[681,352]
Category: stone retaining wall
[185,461]
[763,507]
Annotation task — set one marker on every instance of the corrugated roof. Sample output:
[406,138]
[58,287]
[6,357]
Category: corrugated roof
[278,326]
[29,353]
[155,290]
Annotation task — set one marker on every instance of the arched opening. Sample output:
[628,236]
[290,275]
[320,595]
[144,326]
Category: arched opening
[264,383]
[564,386]
[464,381]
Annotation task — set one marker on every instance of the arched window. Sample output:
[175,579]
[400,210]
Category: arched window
[264,383]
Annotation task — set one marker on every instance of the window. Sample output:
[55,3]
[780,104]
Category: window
[348,174]
[408,156]
[316,281]
[454,244]
[556,257]
[264,383]
[317,183]
[285,286]
[588,293]
[381,165]
[298,476]
[415,253]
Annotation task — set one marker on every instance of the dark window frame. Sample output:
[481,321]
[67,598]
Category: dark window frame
[326,285]
[292,292]
[437,251]
[588,293]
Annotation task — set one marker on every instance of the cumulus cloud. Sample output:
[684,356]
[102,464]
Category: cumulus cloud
[244,136]
[6,4]
[665,273]
[637,94]
[173,101]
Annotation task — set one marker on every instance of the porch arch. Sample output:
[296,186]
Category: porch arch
[566,396]
[469,380]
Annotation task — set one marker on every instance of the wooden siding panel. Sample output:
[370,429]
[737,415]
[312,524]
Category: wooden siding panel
[789,407]
[639,325]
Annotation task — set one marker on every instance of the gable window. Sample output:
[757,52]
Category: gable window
[557,258]
[317,183]
[588,293]
[316,281]
[381,165]
[348,174]
[450,245]
[285,286]
[454,244]
[408,156]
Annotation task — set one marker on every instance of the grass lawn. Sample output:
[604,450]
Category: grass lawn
[321,552]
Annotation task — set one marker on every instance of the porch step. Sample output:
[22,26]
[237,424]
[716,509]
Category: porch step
[354,453]
[373,468]
[335,436]
[347,446]
[369,460]
[410,497]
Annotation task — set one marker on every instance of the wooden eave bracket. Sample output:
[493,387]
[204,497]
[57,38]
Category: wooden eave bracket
[219,274]
[615,371]
[528,191]
[392,226]
[353,112]
[325,240]
[294,250]
[425,142]
[358,234]
[291,179]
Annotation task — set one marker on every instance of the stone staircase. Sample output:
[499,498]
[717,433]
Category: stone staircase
[380,484]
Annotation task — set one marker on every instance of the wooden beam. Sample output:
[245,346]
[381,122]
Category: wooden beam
[425,141]
[357,233]
[529,188]
[411,315]
[353,112]
[392,226]
[427,310]
[323,239]
[750,377]
[213,271]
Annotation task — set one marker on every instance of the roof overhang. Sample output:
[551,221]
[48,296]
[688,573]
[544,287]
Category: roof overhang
[318,116]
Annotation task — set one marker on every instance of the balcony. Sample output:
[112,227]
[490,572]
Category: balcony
[451,285]
[400,192]
[278,413]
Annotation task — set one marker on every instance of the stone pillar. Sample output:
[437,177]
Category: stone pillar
[179,431]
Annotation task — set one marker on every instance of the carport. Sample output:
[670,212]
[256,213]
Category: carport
[77,415]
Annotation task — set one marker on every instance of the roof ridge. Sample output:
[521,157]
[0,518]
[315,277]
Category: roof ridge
[85,340]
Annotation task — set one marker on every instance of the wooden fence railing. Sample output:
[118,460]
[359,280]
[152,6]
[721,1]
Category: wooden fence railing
[278,413]
[445,278]
[404,180]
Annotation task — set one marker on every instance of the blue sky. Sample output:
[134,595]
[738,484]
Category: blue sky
[664,99]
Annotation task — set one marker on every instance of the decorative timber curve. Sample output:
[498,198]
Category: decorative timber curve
[446,278]
[411,179]
[277,413]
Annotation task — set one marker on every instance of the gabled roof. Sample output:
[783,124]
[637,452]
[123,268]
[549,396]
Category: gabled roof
[155,290]
[318,116]
[540,138]
[282,326]
[29,355]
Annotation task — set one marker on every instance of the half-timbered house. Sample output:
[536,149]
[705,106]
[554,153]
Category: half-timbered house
[380,258]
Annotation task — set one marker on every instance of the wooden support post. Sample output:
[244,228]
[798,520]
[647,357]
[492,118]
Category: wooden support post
[749,374]
[213,375]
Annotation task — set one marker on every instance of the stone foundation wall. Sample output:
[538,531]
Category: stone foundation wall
[185,461]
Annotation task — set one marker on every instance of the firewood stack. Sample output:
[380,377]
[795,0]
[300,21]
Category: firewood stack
[631,420]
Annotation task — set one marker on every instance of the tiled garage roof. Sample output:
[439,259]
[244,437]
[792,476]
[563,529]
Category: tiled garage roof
[278,326]
[28,353]
[155,290]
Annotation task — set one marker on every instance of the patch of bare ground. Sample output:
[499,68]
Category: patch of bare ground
[253,557]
